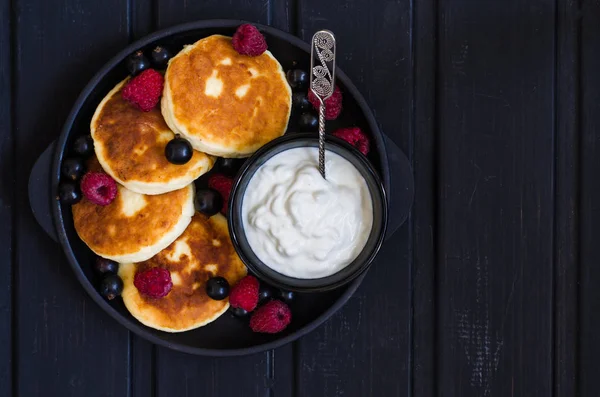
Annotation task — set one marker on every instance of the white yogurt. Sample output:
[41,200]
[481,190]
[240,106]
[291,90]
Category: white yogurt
[301,225]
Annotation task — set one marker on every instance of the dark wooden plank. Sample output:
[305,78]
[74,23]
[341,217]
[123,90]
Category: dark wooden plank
[265,374]
[364,349]
[496,120]
[260,375]
[65,345]
[141,18]
[567,200]
[173,12]
[423,217]
[142,354]
[589,302]
[7,181]
[142,357]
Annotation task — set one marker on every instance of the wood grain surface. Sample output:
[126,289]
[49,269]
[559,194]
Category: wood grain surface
[489,289]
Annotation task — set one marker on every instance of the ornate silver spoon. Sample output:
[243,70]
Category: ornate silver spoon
[322,81]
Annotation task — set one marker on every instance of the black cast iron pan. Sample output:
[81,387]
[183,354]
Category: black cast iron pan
[228,336]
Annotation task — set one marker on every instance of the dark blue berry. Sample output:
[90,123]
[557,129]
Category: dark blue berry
[238,311]
[297,78]
[286,296]
[83,146]
[137,63]
[217,288]
[178,151]
[73,168]
[105,266]
[265,292]
[300,101]
[69,193]
[111,286]
[208,201]
[160,57]
[229,166]
[308,120]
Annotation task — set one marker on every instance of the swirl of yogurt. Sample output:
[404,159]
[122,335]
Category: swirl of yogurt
[302,225]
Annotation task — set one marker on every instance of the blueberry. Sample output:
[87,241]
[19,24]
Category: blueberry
[238,311]
[300,101]
[265,292]
[160,57]
[137,62]
[178,151]
[83,146]
[297,78]
[105,266]
[229,166]
[69,193]
[208,201]
[73,168]
[308,120]
[286,296]
[217,288]
[111,286]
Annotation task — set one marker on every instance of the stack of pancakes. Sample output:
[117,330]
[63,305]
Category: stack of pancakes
[225,104]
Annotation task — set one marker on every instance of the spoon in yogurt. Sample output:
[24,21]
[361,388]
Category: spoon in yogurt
[322,81]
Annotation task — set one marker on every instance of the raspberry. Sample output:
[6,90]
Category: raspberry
[154,282]
[333,104]
[355,137]
[245,294]
[271,318]
[247,40]
[144,90]
[98,188]
[221,184]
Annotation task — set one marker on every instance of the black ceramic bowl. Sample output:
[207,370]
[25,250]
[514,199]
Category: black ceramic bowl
[353,269]
[227,336]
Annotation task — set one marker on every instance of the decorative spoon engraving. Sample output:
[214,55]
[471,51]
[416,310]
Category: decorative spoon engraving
[322,81]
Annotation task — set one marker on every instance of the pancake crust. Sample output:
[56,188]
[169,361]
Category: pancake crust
[130,146]
[134,227]
[204,250]
[226,104]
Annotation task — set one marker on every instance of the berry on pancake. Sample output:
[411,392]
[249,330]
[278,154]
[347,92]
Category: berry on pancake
[99,188]
[247,40]
[154,282]
[144,90]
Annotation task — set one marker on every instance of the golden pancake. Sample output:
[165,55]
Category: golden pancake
[224,103]
[130,146]
[203,251]
[134,227]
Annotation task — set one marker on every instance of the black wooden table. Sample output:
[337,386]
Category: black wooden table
[492,288]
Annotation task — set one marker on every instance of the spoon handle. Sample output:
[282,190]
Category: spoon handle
[322,139]
[322,81]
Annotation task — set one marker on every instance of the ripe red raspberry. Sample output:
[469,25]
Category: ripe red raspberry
[245,294]
[355,137]
[221,184]
[247,40]
[98,188]
[144,90]
[333,104]
[154,282]
[271,318]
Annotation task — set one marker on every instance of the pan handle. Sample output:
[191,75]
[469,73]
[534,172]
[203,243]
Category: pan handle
[400,196]
[39,187]
[401,192]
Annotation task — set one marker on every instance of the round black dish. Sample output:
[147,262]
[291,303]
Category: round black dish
[228,336]
[356,267]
